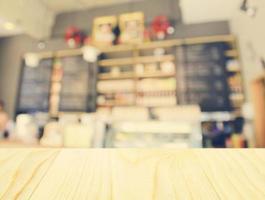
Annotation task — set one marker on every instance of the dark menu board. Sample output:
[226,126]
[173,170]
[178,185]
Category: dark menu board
[203,78]
[34,88]
[78,85]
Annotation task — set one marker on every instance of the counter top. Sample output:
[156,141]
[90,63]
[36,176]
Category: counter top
[98,174]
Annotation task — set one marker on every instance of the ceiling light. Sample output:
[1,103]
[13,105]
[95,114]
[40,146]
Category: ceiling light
[244,5]
[9,26]
[249,10]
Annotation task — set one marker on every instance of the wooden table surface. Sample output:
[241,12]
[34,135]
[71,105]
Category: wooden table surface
[48,174]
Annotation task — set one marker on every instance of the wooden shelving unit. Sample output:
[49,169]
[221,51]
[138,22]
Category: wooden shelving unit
[119,77]
[134,60]
[148,45]
[232,53]
[169,43]
[132,76]
[137,58]
[156,75]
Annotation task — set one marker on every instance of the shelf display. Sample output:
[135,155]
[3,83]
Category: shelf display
[168,67]
[200,65]
[161,27]
[208,73]
[132,28]
[155,92]
[62,84]
[115,86]
[196,71]
[153,80]
[133,127]
[103,30]
[235,83]
[203,78]
[34,88]
[118,99]
[115,92]
[154,85]
[76,85]
[74,37]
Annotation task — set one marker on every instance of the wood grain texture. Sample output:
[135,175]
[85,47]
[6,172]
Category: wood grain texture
[128,174]
[258,93]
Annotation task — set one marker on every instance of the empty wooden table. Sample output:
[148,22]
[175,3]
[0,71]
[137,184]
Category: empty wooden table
[98,174]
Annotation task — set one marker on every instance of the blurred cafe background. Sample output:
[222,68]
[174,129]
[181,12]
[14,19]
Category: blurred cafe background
[132,73]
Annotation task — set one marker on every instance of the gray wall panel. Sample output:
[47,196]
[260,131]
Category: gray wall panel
[84,19]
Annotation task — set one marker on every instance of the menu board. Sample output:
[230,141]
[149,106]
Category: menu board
[202,76]
[78,85]
[34,88]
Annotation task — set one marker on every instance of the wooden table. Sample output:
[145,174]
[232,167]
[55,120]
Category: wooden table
[48,174]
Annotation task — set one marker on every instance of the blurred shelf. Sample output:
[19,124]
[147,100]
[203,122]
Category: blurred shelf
[232,53]
[158,93]
[154,127]
[236,70]
[237,97]
[170,43]
[156,75]
[159,44]
[132,76]
[209,39]
[134,60]
[117,48]
[217,116]
[116,62]
[71,113]
[115,92]
[147,45]
[114,105]
[112,77]
[68,53]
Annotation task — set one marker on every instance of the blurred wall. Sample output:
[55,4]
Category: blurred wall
[251,34]
[151,8]
[209,10]
[12,50]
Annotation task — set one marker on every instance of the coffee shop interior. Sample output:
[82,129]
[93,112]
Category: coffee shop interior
[132,73]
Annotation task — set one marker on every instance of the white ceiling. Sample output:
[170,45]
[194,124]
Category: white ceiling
[6,29]
[32,16]
[36,17]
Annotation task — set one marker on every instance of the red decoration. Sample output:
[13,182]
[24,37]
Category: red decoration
[160,26]
[74,37]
